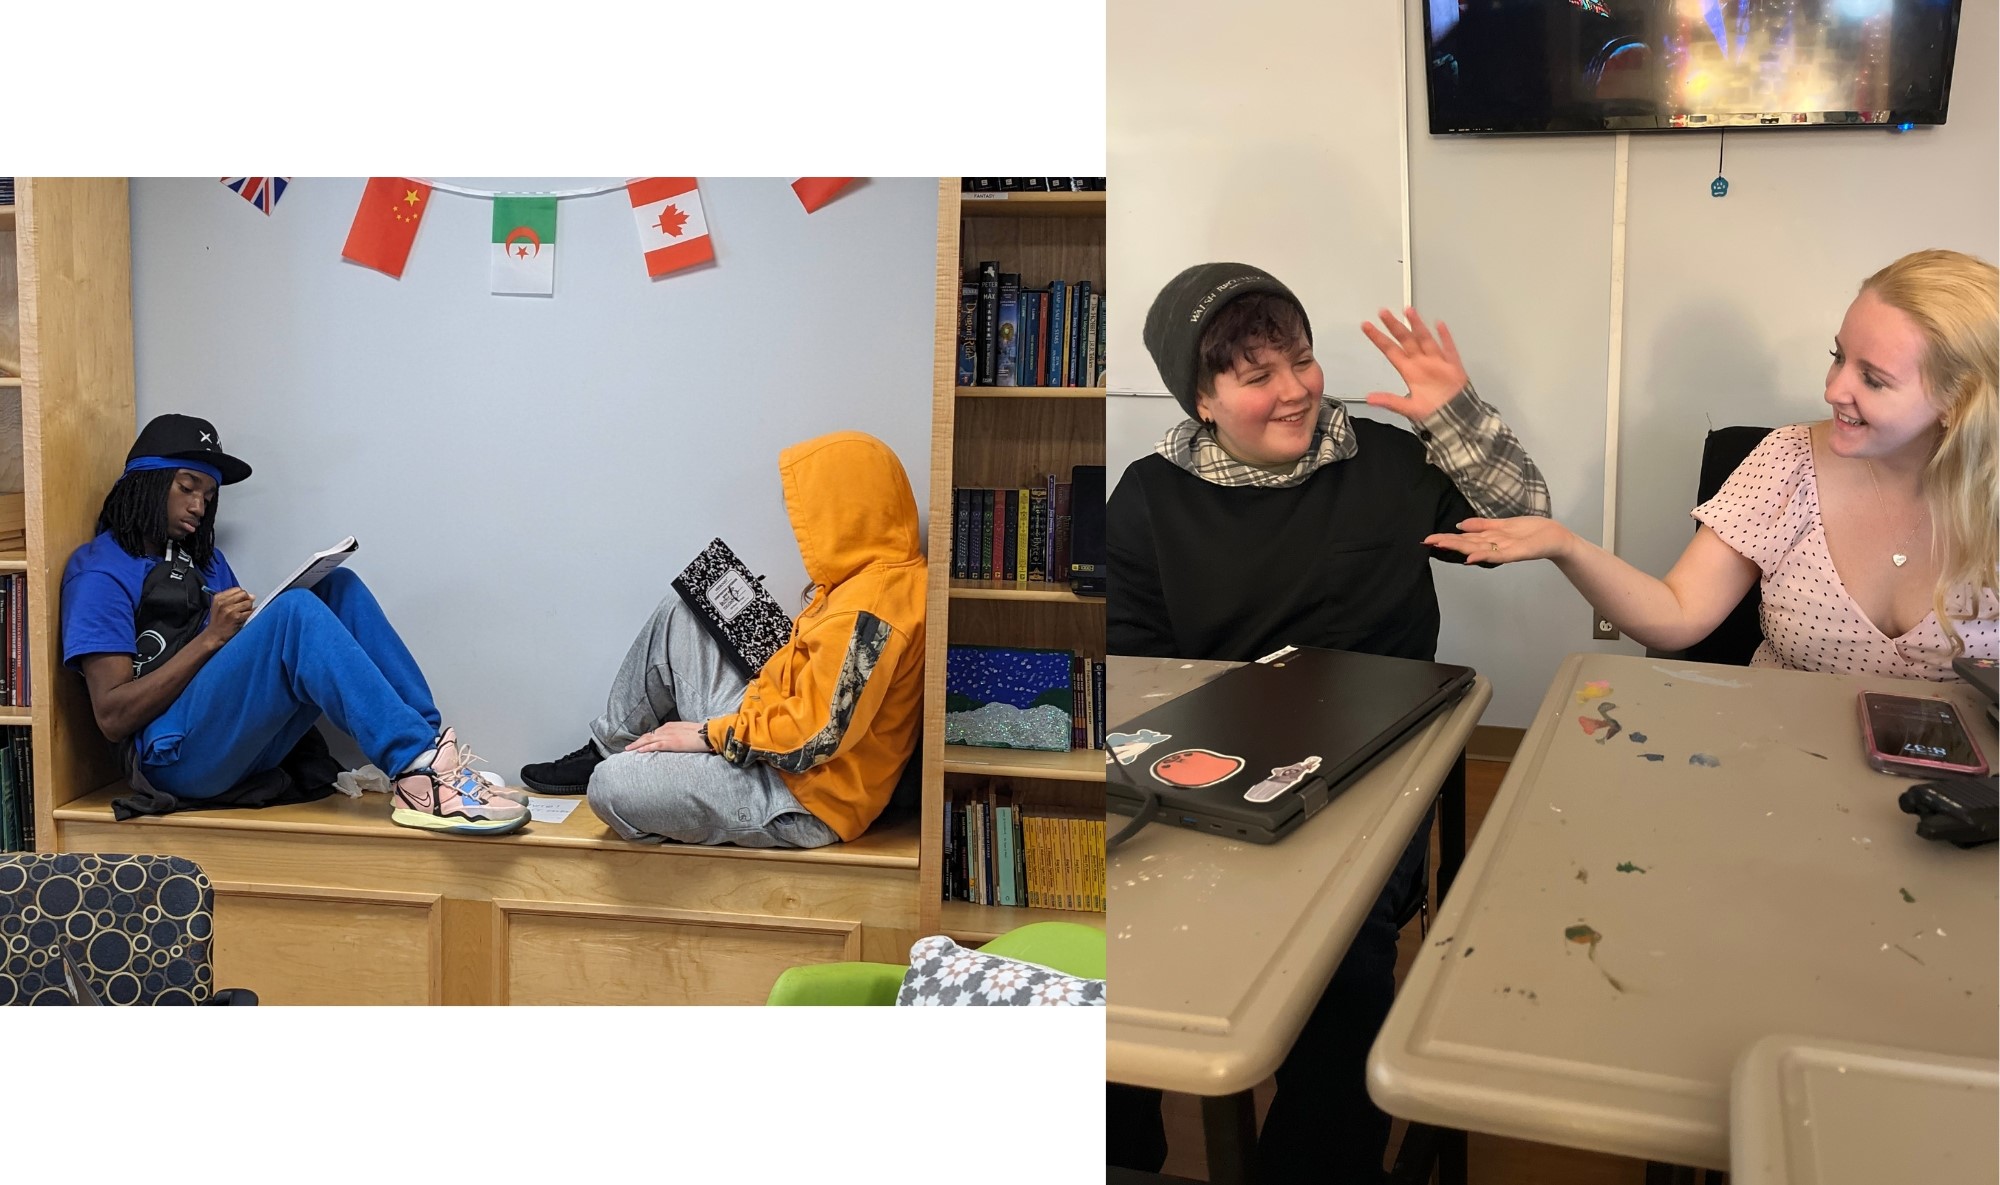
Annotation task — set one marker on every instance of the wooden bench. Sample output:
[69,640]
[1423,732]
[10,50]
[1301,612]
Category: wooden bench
[331,903]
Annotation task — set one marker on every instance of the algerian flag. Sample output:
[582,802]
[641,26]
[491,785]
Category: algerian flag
[524,246]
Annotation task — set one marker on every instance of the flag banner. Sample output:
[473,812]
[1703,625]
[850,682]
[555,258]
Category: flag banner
[815,192]
[385,224]
[524,246]
[673,232]
[261,192]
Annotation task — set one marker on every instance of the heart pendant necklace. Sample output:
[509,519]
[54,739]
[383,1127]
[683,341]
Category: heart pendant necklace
[1899,558]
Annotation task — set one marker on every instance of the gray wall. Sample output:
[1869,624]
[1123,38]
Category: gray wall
[526,474]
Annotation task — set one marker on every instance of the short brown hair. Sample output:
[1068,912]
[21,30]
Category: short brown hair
[1243,327]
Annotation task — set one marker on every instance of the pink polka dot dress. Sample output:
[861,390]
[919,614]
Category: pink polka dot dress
[1768,511]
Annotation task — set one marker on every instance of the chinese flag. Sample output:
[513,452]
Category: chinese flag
[386,224]
[815,192]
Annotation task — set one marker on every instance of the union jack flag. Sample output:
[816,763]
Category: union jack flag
[261,192]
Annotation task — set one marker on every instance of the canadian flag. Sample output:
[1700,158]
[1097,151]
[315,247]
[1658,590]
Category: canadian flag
[673,232]
[815,192]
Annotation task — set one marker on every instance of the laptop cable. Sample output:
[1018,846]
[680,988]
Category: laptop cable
[1148,809]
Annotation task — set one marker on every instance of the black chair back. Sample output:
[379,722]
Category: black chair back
[1739,635]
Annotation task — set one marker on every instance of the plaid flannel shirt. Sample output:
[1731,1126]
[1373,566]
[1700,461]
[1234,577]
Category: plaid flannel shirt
[1465,438]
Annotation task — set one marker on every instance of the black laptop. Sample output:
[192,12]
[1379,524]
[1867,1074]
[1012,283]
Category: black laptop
[1258,751]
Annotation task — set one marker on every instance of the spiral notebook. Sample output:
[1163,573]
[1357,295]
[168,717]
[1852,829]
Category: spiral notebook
[733,607]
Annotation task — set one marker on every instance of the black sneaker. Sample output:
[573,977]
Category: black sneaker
[568,774]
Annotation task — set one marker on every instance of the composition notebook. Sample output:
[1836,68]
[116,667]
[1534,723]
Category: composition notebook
[733,607]
[1258,751]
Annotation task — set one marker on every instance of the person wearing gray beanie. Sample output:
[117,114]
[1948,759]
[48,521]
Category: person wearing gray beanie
[1270,518]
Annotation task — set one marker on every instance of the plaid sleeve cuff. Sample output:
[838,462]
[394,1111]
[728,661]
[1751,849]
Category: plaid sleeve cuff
[1468,440]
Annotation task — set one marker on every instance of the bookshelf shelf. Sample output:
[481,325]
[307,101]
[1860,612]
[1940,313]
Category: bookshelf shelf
[1030,392]
[13,561]
[1032,205]
[983,923]
[1018,590]
[1075,765]
[7,382]
[993,438]
[16,718]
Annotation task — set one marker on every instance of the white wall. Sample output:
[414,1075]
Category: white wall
[527,474]
[1238,139]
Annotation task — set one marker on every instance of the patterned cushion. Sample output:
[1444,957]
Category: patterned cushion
[139,926]
[944,973]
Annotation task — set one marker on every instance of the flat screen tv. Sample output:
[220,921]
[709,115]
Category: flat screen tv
[1631,65]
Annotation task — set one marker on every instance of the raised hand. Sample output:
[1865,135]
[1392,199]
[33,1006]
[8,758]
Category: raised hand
[1507,540]
[1428,364]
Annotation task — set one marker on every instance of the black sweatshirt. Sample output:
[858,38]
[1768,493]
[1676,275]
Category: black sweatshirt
[1204,571]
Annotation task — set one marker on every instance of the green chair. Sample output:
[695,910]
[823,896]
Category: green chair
[1060,946]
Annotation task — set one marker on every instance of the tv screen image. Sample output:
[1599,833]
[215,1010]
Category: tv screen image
[1618,65]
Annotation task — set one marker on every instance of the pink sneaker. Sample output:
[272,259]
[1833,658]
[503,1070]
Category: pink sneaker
[447,796]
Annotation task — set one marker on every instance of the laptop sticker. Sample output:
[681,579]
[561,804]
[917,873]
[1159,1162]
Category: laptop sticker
[1191,769]
[1126,746]
[1282,779]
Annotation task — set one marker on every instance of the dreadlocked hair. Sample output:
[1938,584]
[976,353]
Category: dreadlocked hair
[135,512]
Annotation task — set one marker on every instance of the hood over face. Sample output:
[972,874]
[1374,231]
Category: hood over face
[850,504]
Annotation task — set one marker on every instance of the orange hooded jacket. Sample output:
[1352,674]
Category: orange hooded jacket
[836,711]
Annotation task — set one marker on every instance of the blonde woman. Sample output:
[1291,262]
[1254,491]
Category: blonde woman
[1873,532]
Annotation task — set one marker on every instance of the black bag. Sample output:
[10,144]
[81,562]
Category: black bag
[173,604]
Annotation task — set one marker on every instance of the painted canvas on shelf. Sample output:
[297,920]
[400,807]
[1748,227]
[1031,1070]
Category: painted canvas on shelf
[1003,697]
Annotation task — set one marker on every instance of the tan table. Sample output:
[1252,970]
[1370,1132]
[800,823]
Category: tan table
[1219,949]
[1779,890]
[1808,1111]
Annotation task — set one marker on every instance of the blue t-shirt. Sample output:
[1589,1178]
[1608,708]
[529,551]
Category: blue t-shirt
[100,597]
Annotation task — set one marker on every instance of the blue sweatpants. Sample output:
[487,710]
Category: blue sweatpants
[328,650]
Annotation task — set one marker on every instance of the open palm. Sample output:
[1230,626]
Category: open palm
[1428,364]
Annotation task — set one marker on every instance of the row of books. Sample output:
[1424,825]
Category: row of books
[1015,697]
[1021,534]
[14,633]
[17,800]
[1031,185]
[1010,336]
[997,852]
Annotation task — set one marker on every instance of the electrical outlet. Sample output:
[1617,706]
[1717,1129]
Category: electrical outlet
[1601,629]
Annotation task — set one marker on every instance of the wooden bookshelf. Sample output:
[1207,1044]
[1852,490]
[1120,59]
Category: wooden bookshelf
[1030,392]
[1033,205]
[69,240]
[1018,590]
[1004,437]
[7,383]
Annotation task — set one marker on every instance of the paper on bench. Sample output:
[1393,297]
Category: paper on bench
[550,810]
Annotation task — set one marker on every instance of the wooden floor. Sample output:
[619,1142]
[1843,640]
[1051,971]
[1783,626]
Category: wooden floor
[1492,1160]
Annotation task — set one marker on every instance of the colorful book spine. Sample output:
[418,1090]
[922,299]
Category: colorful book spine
[1053,373]
[1079,320]
[1024,374]
[1076,686]
[989,566]
[1040,342]
[989,314]
[968,334]
[1007,502]
[1007,351]
[1090,342]
[1097,703]
[1003,854]
[961,547]
[1038,534]
[1023,541]
[1060,512]
[1103,331]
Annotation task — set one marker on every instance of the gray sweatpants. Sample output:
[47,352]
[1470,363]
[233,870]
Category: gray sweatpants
[675,671]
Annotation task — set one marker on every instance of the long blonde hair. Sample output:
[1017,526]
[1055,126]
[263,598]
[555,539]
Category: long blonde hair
[1955,300]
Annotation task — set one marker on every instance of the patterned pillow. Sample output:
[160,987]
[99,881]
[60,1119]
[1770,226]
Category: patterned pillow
[944,973]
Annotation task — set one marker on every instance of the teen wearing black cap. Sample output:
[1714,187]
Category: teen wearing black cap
[1270,518]
[200,696]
